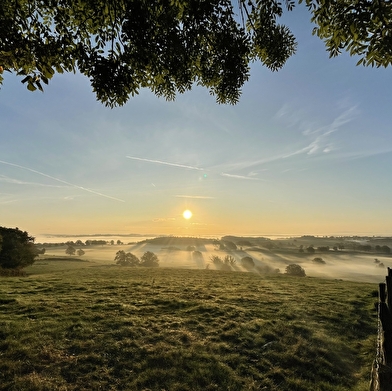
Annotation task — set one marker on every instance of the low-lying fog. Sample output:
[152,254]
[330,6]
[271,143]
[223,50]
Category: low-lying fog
[338,264]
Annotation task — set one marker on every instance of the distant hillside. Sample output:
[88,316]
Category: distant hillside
[179,241]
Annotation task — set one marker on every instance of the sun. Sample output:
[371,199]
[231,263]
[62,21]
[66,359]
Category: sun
[187,214]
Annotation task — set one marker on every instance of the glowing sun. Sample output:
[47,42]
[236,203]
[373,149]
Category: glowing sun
[187,214]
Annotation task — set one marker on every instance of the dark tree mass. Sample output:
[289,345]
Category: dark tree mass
[17,248]
[169,46]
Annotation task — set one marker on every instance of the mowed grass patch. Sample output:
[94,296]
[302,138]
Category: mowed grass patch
[113,328]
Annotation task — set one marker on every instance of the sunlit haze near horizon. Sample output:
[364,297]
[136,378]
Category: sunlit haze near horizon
[307,150]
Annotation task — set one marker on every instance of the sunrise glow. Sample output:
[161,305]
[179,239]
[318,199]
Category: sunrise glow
[187,214]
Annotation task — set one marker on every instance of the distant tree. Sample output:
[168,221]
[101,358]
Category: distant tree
[79,243]
[120,257]
[119,242]
[80,252]
[341,246]
[126,259]
[247,263]
[149,259]
[318,260]
[230,245]
[17,248]
[364,247]
[386,249]
[310,250]
[323,249]
[70,250]
[190,248]
[217,261]
[112,242]
[295,270]
[229,260]
[197,255]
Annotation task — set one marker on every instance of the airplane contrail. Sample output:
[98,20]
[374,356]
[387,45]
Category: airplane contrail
[240,177]
[166,163]
[61,181]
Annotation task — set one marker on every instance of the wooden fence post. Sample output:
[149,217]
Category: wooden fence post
[381,378]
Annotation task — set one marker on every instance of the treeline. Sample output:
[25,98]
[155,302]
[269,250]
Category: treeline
[79,243]
[178,241]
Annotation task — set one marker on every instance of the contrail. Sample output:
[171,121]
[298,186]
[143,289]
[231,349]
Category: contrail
[61,181]
[240,177]
[166,163]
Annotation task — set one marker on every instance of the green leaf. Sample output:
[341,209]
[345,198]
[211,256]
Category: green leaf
[31,87]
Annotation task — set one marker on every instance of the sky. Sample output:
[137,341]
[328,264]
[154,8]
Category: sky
[306,151]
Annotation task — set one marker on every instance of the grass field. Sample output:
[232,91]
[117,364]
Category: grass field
[87,325]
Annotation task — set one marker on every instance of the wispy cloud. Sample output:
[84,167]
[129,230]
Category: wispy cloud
[317,139]
[194,197]
[163,219]
[60,180]
[249,178]
[4,178]
[166,163]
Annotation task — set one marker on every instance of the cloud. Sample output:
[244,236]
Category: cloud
[194,197]
[163,219]
[166,163]
[249,178]
[61,181]
[6,179]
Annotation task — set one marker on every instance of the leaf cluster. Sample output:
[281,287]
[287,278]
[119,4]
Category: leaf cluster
[362,28]
[123,45]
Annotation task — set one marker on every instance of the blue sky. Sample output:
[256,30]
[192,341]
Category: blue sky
[307,150]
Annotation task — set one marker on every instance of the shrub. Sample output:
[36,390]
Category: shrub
[318,260]
[247,263]
[295,270]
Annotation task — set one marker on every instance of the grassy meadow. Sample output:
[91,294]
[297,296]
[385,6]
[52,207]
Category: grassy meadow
[87,324]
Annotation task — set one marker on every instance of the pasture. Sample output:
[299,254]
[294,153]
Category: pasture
[88,324]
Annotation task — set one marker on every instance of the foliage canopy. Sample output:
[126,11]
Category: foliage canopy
[16,248]
[169,46]
[295,270]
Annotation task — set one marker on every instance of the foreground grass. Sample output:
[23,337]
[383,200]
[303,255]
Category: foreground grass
[68,327]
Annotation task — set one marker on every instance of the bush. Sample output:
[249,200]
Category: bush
[318,260]
[295,270]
